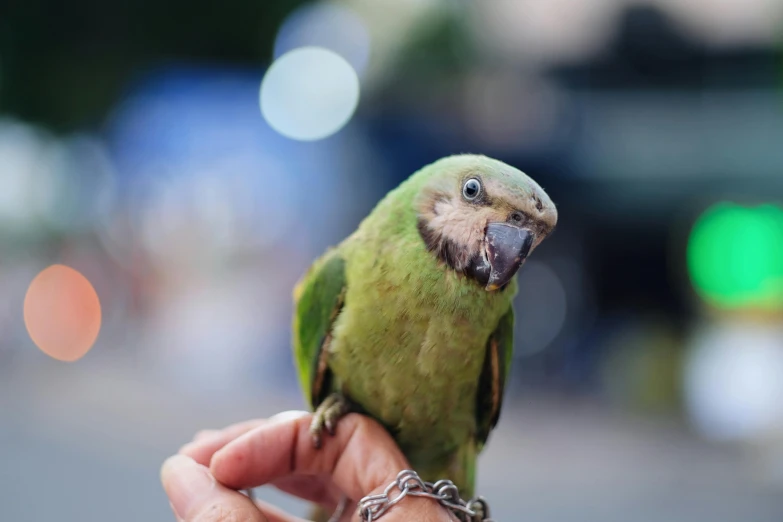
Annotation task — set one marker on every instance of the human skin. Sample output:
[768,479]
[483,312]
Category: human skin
[203,479]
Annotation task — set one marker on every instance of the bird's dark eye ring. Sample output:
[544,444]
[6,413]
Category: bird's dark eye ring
[471,189]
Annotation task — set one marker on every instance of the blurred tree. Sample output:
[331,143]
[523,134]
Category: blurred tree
[435,56]
[652,52]
[63,64]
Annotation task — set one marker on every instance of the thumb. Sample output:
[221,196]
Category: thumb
[196,496]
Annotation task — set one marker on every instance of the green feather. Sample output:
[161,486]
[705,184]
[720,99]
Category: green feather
[318,297]
[488,406]
[409,339]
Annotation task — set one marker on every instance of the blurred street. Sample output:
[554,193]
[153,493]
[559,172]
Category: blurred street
[71,453]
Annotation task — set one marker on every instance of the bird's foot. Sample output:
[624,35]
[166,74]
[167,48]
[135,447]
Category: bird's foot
[331,410]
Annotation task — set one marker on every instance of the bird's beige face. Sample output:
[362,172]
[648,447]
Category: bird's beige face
[485,222]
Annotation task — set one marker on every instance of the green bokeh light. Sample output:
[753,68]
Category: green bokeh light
[735,256]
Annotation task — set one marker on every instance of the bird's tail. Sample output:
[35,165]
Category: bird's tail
[459,467]
[463,469]
[318,514]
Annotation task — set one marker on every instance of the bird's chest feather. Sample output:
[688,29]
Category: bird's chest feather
[410,348]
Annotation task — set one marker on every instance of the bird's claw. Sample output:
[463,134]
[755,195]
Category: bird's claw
[328,413]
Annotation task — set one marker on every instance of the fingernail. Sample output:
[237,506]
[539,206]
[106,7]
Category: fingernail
[200,443]
[207,435]
[204,438]
[185,483]
[187,447]
[288,415]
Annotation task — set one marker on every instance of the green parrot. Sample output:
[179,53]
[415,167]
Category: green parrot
[409,320]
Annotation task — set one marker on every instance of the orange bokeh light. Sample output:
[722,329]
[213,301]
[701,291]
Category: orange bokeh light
[62,313]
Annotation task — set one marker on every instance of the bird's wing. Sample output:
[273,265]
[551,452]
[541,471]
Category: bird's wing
[318,299]
[492,383]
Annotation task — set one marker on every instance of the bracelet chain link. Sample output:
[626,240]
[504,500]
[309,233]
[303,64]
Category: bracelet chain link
[408,482]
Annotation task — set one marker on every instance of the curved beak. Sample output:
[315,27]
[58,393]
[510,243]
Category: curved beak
[507,247]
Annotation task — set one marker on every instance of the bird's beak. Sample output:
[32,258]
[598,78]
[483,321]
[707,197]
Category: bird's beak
[507,247]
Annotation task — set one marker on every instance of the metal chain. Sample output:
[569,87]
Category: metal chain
[408,482]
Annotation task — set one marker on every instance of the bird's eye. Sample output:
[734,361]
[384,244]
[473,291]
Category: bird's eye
[471,189]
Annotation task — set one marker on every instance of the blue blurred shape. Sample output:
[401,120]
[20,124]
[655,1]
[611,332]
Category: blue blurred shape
[188,115]
[326,25]
[194,126]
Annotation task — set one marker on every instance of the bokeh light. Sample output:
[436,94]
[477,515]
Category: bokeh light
[28,184]
[735,256]
[309,93]
[196,168]
[726,22]
[62,313]
[538,320]
[329,26]
[733,380]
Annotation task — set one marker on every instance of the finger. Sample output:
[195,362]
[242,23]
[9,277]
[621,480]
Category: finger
[314,488]
[207,442]
[196,496]
[360,457]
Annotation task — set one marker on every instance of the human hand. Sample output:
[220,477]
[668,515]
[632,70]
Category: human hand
[361,459]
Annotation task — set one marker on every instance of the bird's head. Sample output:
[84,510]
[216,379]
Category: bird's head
[482,217]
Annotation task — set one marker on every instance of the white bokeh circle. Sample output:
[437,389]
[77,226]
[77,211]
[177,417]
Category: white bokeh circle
[309,93]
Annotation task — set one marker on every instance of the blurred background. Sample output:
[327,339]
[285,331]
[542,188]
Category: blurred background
[190,159]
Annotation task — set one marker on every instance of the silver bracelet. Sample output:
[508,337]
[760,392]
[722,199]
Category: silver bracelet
[408,482]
